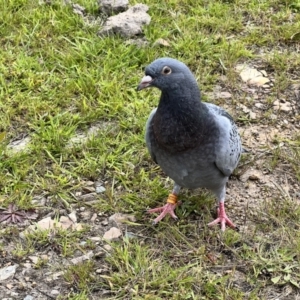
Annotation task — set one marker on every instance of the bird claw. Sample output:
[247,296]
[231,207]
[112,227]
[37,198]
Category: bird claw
[164,210]
[222,219]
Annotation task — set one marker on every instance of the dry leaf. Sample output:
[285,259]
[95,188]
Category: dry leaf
[161,42]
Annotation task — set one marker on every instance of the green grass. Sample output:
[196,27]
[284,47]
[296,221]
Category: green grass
[58,78]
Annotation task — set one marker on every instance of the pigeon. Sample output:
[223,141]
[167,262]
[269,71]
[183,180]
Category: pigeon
[196,144]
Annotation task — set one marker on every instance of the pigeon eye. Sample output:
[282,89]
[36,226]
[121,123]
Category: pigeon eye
[166,70]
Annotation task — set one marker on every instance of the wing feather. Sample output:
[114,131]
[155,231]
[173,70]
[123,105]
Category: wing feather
[229,147]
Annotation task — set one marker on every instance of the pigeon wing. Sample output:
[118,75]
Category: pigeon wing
[229,149]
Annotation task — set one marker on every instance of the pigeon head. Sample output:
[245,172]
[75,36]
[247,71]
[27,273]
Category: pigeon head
[168,74]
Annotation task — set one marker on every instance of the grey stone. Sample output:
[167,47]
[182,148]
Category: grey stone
[80,259]
[7,272]
[78,9]
[128,23]
[88,197]
[100,189]
[111,7]
[55,292]
[19,145]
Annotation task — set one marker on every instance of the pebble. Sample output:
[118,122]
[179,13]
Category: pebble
[107,247]
[89,183]
[100,189]
[259,105]
[54,292]
[282,105]
[94,217]
[104,223]
[44,257]
[111,7]
[89,189]
[86,215]
[82,258]
[27,265]
[78,9]
[252,115]
[161,42]
[88,197]
[251,174]
[100,254]
[34,259]
[99,271]
[112,233]
[95,238]
[130,235]
[127,24]
[7,272]
[28,297]
[9,286]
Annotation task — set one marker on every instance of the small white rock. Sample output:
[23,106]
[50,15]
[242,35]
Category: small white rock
[107,247]
[252,115]
[100,189]
[7,272]
[54,292]
[259,105]
[112,234]
[282,105]
[34,259]
[95,238]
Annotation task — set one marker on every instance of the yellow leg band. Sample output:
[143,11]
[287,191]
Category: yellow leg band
[172,199]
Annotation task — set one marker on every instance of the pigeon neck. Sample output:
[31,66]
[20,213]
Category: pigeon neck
[179,119]
[183,103]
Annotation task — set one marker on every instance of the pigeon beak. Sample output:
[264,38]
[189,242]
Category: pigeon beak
[145,82]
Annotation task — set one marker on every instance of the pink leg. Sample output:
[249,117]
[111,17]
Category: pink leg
[222,218]
[166,209]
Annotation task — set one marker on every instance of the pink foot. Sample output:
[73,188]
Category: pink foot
[222,218]
[166,209]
